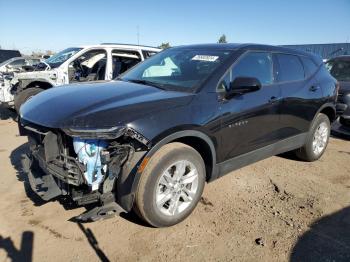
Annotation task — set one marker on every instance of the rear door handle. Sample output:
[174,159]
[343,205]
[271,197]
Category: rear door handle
[314,88]
[273,99]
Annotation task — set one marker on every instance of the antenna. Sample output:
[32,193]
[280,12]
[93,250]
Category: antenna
[138,34]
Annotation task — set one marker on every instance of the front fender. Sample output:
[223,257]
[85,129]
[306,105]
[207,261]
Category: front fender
[128,181]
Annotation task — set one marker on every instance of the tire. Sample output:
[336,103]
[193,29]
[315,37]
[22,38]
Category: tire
[151,190]
[309,152]
[25,95]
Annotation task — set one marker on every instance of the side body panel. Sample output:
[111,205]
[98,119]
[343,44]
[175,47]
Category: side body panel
[301,100]
[249,121]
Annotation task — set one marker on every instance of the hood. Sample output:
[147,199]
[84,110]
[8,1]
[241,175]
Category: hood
[98,105]
[35,74]
[344,86]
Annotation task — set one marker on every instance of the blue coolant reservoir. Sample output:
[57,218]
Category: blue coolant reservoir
[88,152]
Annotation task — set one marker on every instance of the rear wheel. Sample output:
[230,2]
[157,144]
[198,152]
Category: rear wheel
[25,95]
[317,139]
[170,185]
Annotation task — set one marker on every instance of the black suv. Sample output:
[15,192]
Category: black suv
[339,68]
[151,139]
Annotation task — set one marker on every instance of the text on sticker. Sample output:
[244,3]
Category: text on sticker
[208,58]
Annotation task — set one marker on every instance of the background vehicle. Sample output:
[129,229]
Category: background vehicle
[7,70]
[151,139]
[16,64]
[339,68]
[77,64]
[7,54]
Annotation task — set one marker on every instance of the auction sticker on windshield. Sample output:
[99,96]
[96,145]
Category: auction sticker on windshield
[208,58]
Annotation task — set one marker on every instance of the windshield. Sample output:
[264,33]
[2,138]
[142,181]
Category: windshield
[178,69]
[57,59]
[7,61]
[339,69]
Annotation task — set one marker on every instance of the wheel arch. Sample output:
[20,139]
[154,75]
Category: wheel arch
[329,111]
[196,139]
[28,83]
[39,83]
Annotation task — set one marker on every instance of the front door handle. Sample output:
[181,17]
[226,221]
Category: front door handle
[314,88]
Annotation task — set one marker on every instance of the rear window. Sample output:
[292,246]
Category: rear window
[339,69]
[309,66]
[290,68]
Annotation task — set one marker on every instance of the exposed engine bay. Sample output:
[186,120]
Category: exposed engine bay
[88,153]
[86,170]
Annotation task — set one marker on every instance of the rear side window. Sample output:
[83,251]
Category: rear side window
[290,68]
[122,60]
[255,64]
[309,66]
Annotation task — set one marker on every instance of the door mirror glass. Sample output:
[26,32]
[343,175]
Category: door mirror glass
[241,85]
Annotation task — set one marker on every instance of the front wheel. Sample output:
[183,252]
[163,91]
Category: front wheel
[25,95]
[317,140]
[170,185]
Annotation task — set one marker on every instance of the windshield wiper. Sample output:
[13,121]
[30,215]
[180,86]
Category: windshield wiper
[145,82]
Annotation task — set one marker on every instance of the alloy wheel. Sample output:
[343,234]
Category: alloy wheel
[320,139]
[177,187]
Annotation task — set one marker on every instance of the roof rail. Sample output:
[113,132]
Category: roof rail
[128,44]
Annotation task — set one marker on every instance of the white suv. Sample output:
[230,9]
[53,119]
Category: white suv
[72,65]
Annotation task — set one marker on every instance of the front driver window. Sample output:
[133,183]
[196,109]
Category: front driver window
[224,83]
[255,64]
[90,66]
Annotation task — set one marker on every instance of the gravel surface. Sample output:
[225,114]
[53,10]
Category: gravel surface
[279,209]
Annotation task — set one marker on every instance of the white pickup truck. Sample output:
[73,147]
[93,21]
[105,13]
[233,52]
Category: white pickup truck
[72,65]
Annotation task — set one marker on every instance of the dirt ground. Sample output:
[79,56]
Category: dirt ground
[279,209]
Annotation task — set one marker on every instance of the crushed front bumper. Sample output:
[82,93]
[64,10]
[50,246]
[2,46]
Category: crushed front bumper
[54,169]
[43,184]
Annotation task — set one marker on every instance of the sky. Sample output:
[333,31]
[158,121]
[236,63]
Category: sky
[38,25]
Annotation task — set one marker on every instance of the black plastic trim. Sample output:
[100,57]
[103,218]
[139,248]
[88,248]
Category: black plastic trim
[279,147]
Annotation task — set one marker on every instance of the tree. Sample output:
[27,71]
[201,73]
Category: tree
[222,39]
[164,45]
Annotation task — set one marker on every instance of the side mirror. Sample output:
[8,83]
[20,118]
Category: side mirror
[241,85]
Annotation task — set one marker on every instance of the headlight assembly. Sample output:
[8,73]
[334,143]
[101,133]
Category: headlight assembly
[108,133]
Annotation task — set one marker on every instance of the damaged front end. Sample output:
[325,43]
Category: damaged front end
[6,94]
[82,164]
